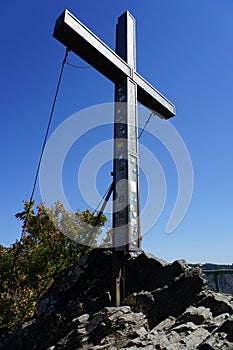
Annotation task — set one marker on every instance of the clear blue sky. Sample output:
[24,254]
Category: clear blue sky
[184,48]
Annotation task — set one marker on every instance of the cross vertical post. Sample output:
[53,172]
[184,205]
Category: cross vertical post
[126,225]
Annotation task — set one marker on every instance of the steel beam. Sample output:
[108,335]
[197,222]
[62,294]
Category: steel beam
[79,39]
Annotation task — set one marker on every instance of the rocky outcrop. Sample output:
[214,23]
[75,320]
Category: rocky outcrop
[167,306]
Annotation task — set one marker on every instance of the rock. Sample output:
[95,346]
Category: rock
[167,307]
[116,324]
[81,288]
[216,341]
[181,338]
[217,303]
[85,285]
[197,315]
[159,273]
[109,328]
[169,301]
[227,327]
[164,325]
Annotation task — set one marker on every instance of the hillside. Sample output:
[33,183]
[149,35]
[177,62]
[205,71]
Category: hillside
[168,306]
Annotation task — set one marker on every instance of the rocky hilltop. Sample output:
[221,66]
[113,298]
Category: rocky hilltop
[168,306]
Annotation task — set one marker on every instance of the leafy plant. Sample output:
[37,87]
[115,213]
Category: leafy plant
[29,267]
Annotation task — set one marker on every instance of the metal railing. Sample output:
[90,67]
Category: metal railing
[216,273]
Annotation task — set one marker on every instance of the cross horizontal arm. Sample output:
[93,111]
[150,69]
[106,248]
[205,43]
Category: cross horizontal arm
[78,38]
[153,99]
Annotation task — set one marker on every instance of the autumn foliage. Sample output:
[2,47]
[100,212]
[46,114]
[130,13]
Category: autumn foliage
[29,267]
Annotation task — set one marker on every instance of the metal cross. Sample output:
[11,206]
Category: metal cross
[130,87]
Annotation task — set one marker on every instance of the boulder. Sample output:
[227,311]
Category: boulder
[196,315]
[216,341]
[167,306]
[227,327]
[110,328]
[217,303]
[170,300]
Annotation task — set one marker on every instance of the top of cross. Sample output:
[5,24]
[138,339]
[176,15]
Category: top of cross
[79,39]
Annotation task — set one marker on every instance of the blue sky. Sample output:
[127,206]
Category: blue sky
[185,49]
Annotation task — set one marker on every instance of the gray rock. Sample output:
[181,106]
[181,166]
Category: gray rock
[147,273]
[217,341]
[217,303]
[197,315]
[109,328]
[194,338]
[118,324]
[227,327]
[164,325]
[170,300]
[167,307]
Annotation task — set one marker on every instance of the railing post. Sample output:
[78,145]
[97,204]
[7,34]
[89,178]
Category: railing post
[216,278]
[217,289]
